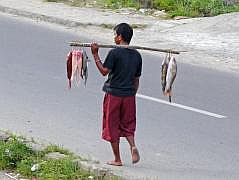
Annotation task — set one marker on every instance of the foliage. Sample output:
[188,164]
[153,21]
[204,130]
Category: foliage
[12,152]
[55,148]
[120,3]
[194,8]
[52,169]
[191,8]
[16,155]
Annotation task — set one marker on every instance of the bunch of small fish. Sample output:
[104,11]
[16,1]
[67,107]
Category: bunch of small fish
[168,74]
[77,66]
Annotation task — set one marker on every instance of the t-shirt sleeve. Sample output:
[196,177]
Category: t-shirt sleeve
[109,60]
[139,69]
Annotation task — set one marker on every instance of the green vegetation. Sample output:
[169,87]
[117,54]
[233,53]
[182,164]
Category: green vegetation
[190,8]
[197,8]
[12,152]
[18,156]
[121,3]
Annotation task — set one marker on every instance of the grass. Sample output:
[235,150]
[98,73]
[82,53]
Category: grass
[190,8]
[12,152]
[17,156]
[199,8]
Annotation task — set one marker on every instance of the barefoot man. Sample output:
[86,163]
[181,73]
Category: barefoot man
[123,67]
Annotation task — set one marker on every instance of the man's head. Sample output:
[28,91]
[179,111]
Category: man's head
[123,33]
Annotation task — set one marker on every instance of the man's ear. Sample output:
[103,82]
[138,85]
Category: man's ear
[120,38]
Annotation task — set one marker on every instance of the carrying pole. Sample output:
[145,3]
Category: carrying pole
[79,44]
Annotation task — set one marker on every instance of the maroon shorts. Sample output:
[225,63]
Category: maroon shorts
[119,117]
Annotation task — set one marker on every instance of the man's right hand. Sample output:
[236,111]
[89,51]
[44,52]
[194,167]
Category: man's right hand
[94,48]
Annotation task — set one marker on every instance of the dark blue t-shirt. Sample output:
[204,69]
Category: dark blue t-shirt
[124,65]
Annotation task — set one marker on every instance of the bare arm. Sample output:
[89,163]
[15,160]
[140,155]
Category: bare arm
[103,70]
[136,84]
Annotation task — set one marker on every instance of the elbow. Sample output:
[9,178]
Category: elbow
[104,73]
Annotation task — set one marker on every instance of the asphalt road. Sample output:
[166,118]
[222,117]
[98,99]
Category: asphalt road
[196,137]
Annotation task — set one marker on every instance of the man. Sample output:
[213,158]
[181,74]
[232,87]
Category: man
[123,67]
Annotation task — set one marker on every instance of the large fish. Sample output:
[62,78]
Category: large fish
[84,71]
[74,66]
[69,67]
[169,75]
[78,73]
[164,69]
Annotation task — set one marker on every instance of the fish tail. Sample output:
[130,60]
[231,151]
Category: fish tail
[170,98]
[69,84]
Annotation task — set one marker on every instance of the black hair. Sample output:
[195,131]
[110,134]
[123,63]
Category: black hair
[125,30]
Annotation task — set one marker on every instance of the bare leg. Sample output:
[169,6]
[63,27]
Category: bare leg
[134,150]
[130,140]
[117,160]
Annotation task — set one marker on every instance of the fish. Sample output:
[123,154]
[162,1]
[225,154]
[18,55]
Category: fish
[74,66]
[164,68]
[69,68]
[85,67]
[169,75]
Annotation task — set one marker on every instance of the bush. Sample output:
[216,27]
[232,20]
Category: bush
[12,152]
[16,156]
[120,3]
[194,8]
[191,8]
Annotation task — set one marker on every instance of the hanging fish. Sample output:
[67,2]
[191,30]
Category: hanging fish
[171,72]
[164,69]
[74,66]
[85,67]
[69,67]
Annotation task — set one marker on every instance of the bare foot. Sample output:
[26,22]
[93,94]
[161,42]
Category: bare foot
[135,155]
[115,163]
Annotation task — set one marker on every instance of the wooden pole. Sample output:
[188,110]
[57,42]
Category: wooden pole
[79,44]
